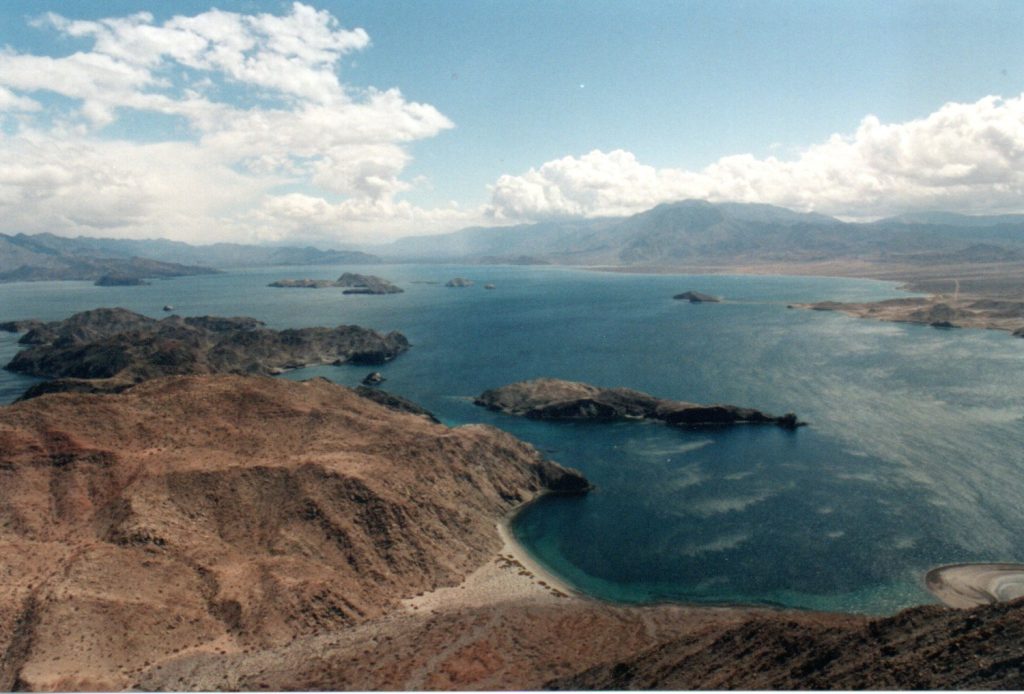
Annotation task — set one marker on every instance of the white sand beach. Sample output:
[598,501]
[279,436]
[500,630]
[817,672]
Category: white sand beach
[512,574]
[968,585]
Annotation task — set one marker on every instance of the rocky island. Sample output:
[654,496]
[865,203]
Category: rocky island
[121,281]
[459,282]
[697,298]
[352,282]
[111,349]
[555,399]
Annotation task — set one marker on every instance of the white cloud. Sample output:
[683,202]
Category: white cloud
[963,157]
[261,107]
[311,219]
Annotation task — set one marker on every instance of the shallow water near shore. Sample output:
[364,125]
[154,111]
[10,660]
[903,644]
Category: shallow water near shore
[913,457]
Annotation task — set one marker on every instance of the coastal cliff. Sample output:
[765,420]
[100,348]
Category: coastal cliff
[555,399]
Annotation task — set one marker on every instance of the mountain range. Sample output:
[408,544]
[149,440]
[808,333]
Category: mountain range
[49,257]
[680,234]
[695,231]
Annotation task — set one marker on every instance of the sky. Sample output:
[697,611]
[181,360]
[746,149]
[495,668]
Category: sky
[338,122]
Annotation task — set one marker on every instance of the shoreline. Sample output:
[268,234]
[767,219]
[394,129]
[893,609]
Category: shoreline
[511,574]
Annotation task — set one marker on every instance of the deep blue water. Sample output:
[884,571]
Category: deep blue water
[914,455]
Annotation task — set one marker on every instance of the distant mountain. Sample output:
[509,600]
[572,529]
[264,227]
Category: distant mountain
[219,255]
[956,220]
[22,259]
[49,257]
[695,231]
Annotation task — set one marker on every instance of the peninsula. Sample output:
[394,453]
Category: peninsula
[938,311]
[555,399]
[111,349]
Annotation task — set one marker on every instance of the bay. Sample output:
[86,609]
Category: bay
[913,456]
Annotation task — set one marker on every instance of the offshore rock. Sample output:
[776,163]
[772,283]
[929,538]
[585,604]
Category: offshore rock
[697,298]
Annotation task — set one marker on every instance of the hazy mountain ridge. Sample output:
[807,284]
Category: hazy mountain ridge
[672,234]
[696,230]
[50,257]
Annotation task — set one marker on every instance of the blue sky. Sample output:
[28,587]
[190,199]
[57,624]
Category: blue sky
[533,110]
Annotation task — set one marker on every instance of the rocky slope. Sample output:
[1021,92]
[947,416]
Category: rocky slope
[228,532]
[555,399]
[229,514]
[107,350]
[919,648]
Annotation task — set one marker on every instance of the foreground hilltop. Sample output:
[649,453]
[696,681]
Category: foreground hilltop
[226,514]
[229,532]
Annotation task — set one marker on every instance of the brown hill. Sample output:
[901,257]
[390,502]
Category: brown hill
[227,532]
[230,514]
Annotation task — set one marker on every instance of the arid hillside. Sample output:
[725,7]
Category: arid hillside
[230,532]
[228,514]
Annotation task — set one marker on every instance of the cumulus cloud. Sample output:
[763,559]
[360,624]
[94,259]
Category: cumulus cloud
[963,157]
[259,107]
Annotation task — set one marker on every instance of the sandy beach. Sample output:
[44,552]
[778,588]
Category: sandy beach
[964,586]
[510,575]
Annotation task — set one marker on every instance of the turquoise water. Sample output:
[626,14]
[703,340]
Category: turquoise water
[914,454]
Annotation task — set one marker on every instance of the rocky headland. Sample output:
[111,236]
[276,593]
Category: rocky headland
[227,532]
[937,311]
[555,399]
[352,282]
[108,350]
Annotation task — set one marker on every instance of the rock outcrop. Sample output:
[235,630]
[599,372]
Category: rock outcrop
[394,402]
[198,515]
[353,283]
[374,378]
[554,399]
[697,298]
[459,282]
[108,350]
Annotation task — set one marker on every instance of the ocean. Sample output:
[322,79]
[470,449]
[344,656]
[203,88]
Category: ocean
[913,457]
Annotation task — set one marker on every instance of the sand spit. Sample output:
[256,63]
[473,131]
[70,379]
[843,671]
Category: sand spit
[969,585]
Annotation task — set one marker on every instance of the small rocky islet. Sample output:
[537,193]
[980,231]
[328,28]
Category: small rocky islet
[555,399]
[352,282]
[695,297]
